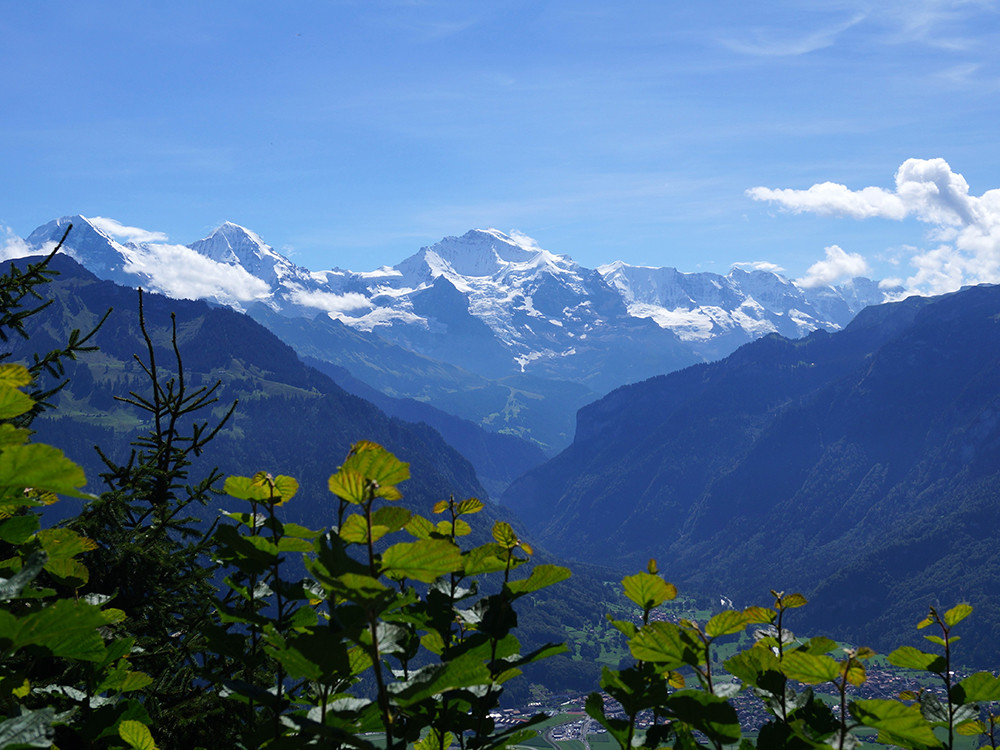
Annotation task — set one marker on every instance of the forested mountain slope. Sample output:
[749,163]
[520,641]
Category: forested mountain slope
[291,418]
[861,467]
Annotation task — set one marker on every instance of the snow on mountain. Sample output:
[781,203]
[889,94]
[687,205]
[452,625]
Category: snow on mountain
[714,314]
[174,270]
[486,301]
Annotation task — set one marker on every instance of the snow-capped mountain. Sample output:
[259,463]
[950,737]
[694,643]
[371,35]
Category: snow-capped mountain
[493,304]
[715,314]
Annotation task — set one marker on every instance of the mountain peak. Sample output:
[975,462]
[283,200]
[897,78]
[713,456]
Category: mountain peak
[236,245]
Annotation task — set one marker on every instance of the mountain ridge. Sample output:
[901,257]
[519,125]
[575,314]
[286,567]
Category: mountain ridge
[512,286]
[502,316]
[803,465]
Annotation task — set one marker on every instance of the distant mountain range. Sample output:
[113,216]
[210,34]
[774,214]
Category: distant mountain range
[497,314]
[860,467]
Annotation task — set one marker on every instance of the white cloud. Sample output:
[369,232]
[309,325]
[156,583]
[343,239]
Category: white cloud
[119,231]
[180,272]
[331,302]
[964,228]
[838,265]
[829,198]
[14,247]
[528,243]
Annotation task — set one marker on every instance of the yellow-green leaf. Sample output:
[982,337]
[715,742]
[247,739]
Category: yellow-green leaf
[812,669]
[759,614]
[459,528]
[909,657]
[14,403]
[64,542]
[956,614]
[541,576]
[136,734]
[245,488]
[504,535]
[970,728]
[469,505]
[489,558]
[726,623]
[793,600]
[285,488]
[423,560]
[663,643]
[648,590]
[355,530]
[392,517]
[350,486]
[981,687]
[419,527]
[897,723]
[42,468]
[14,376]
[376,464]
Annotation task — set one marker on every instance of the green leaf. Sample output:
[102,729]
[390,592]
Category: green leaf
[124,680]
[423,560]
[956,614]
[69,571]
[757,615]
[464,671]
[706,712]
[291,544]
[18,530]
[355,529]
[300,532]
[11,435]
[435,740]
[752,664]
[809,668]
[488,558]
[541,576]
[909,657]
[61,543]
[393,517]
[469,505]
[41,467]
[350,486]
[458,528]
[136,734]
[648,590]
[504,535]
[895,722]
[971,728]
[819,645]
[66,628]
[726,623]
[419,527]
[664,644]
[981,687]
[14,376]
[245,488]
[285,488]
[793,600]
[376,464]
[14,403]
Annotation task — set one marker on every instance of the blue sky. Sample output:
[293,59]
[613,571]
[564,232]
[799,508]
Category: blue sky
[683,134]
